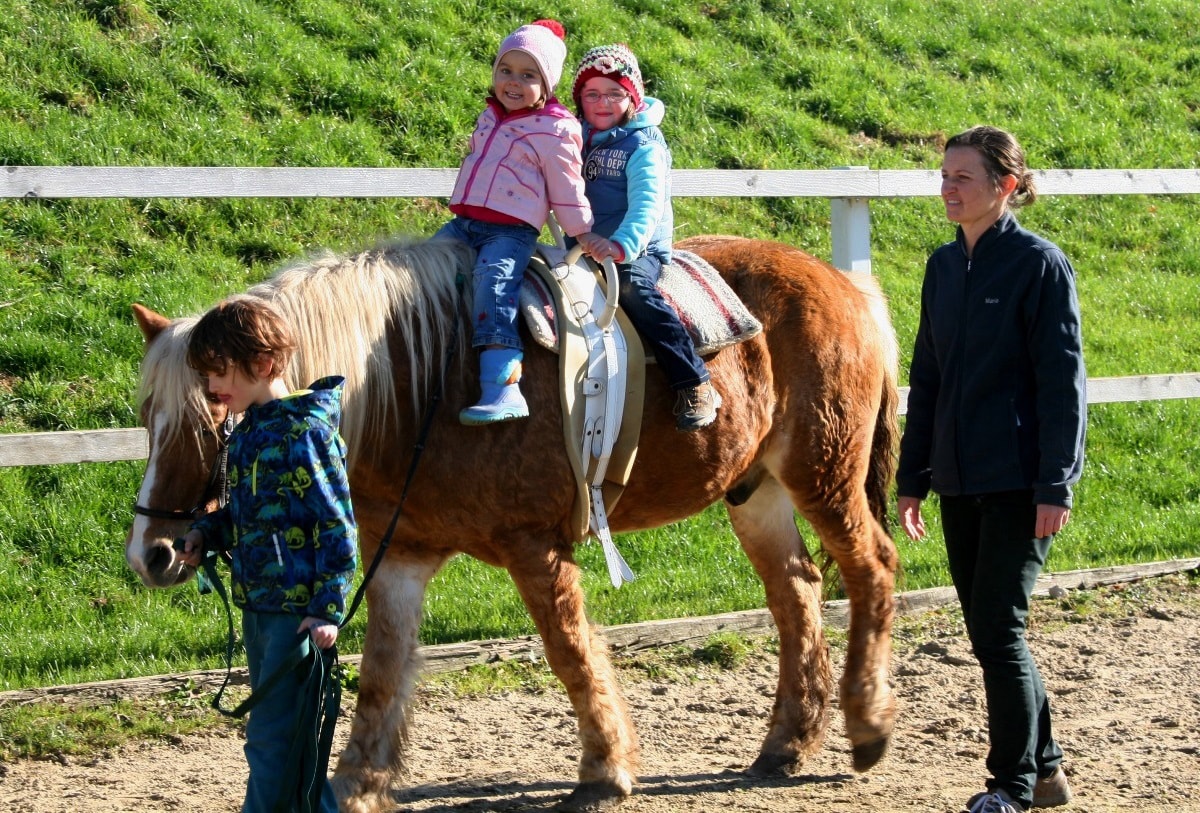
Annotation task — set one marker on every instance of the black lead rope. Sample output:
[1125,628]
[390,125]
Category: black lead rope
[312,739]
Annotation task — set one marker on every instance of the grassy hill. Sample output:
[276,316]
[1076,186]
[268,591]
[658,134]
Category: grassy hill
[772,84]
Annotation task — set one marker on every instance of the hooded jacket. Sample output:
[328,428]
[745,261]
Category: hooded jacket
[998,386]
[627,172]
[521,165]
[288,524]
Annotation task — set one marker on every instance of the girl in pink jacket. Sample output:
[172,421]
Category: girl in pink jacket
[525,159]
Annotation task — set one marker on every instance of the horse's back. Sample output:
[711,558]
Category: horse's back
[819,353]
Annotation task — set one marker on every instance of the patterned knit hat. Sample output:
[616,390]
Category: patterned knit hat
[544,41]
[615,62]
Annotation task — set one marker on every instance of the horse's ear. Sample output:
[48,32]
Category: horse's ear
[150,322]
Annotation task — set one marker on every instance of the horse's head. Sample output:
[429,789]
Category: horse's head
[184,473]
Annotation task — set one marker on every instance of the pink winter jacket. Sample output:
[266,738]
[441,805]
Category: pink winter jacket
[522,165]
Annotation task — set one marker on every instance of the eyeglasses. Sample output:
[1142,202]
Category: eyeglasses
[612,97]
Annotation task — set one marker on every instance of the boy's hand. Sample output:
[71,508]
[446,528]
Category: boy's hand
[190,548]
[323,633]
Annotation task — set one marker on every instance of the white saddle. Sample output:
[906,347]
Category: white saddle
[602,382]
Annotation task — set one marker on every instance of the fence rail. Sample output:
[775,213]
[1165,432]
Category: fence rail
[109,445]
[360,182]
[849,190]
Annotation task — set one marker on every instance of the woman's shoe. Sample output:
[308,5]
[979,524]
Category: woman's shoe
[1053,790]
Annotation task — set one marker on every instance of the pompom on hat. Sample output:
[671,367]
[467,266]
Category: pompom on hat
[615,62]
[544,41]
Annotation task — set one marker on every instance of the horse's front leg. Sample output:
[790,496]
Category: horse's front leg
[387,677]
[548,580]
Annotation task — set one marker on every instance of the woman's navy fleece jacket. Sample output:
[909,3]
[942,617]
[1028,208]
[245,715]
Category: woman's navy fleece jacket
[998,387]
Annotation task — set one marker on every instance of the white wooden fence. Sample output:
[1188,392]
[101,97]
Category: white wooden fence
[849,190]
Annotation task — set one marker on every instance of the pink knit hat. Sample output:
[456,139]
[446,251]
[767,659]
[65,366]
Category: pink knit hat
[544,41]
[615,62]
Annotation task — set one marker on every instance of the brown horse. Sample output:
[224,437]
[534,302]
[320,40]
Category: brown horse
[808,425]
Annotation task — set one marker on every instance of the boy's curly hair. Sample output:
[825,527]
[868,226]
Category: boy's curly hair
[240,330]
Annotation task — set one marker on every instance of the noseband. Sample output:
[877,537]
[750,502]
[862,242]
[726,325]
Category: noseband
[217,482]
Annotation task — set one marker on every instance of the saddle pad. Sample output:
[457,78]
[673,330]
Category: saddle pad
[707,306]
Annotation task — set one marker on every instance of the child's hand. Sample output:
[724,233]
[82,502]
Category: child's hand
[600,248]
[323,633]
[192,551]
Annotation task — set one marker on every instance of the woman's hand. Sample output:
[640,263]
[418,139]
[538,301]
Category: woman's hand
[911,520]
[1050,520]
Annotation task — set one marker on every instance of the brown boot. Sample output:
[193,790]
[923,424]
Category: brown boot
[1053,790]
[696,407]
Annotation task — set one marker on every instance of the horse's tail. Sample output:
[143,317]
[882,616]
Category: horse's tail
[886,439]
[882,469]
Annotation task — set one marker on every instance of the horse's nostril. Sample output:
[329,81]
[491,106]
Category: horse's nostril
[158,558]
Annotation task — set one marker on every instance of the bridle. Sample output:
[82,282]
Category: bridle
[217,488]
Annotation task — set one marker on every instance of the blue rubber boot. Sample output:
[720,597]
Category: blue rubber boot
[499,372]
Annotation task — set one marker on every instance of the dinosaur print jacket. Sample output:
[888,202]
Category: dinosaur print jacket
[288,524]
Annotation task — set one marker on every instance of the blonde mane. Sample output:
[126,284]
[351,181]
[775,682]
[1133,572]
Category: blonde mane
[166,374]
[341,309]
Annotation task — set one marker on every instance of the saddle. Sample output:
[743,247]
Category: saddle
[569,310]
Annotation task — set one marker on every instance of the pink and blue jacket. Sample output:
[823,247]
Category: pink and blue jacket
[523,164]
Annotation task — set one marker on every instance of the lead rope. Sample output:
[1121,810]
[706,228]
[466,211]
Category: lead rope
[312,739]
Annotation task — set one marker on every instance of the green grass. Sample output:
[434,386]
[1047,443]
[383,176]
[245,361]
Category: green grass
[80,729]
[768,84]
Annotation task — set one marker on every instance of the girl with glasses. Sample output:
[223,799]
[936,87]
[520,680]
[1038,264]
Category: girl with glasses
[627,175]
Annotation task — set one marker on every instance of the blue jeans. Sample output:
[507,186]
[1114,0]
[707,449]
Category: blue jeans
[502,255]
[994,561]
[270,639]
[658,323]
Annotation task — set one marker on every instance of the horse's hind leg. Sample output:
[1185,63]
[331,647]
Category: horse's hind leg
[387,678]
[548,581]
[766,526]
[866,560]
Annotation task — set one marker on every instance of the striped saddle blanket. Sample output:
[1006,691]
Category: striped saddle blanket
[707,306]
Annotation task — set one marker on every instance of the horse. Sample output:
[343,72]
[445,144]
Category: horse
[808,426]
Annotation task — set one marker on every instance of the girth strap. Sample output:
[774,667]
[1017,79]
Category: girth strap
[603,388]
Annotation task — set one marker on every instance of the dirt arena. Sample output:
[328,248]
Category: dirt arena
[1121,665]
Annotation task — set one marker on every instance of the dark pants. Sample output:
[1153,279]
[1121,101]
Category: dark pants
[657,323]
[271,639]
[995,561]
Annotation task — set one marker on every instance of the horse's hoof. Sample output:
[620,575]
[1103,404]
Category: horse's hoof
[592,797]
[366,792]
[866,755]
[774,765]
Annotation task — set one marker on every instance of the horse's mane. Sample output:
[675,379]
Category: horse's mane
[165,372]
[341,309]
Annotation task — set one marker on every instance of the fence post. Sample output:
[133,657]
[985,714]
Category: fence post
[850,223]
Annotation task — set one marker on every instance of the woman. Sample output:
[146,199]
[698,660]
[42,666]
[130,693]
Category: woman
[995,425]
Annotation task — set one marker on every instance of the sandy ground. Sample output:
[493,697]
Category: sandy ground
[1121,665]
